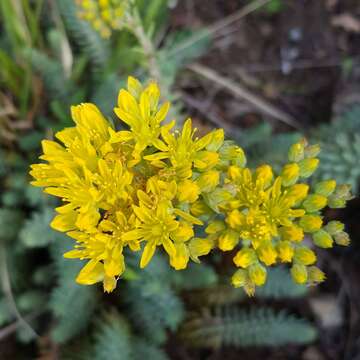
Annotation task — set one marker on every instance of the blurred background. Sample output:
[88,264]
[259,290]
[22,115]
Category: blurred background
[268,72]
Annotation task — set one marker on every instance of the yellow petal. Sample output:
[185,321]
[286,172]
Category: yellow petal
[147,254]
[91,273]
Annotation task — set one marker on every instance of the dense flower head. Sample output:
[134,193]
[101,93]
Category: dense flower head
[155,186]
[104,15]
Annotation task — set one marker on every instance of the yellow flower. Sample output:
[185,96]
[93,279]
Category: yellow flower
[143,115]
[149,186]
[185,152]
[156,228]
[278,207]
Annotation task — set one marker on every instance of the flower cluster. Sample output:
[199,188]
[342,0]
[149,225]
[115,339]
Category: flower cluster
[104,15]
[155,186]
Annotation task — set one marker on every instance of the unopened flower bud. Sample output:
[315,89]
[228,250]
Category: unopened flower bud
[342,238]
[228,240]
[257,274]
[239,278]
[333,227]
[267,254]
[315,275]
[234,172]
[336,203]
[298,192]
[304,256]
[188,191]
[215,226]
[308,167]
[208,180]
[291,233]
[299,273]
[285,251]
[234,218]
[290,174]
[265,174]
[296,152]
[325,188]
[245,257]
[322,239]
[310,223]
[314,202]
[311,151]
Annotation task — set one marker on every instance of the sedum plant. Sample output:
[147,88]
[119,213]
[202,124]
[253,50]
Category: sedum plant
[157,186]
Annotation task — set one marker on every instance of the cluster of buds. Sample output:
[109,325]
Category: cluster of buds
[103,15]
[156,186]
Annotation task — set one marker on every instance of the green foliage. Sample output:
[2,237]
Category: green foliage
[340,160]
[231,326]
[84,36]
[153,306]
[50,71]
[340,143]
[72,304]
[36,231]
[143,349]
[10,221]
[112,338]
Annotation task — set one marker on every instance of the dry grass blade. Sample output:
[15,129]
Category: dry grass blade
[239,91]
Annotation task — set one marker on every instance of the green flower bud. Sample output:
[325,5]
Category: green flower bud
[342,238]
[239,278]
[336,203]
[308,166]
[304,256]
[208,180]
[245,257]
[299,273]
[264,173]
[325,188]
[228,240]
[315,275]
[343,191]
[290,174]
[322,239]
[310,223]
[314,202]
[312,151]
[215,226]
[296,152]
[333,227]
[257,274]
